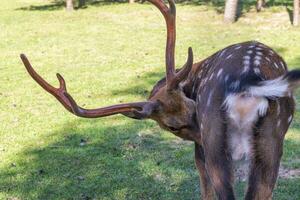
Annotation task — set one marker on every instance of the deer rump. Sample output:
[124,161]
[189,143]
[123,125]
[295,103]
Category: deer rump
[241,86]
[246,107]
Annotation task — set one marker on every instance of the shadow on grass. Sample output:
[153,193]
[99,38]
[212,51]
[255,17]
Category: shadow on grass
[59,4]
[130,161]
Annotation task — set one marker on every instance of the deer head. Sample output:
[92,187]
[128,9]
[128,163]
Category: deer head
[167,104]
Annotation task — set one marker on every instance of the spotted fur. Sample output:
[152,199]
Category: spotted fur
[243,105]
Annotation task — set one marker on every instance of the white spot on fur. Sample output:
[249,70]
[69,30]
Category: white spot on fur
[209,98]
[199,97]
[278,123]
[268,59]
[246,62]
[290,119]
[256,62]
[226,78]
[258,48]
[256,70]
[257,57]
[193,88]
[229,56]
[276,65]
[222,53]
[235,84]
[282,64]
[246,57]
[263,108]
[238,47]
[211,76]
[278,108]
[199,75]
[245,69]
[219,73]
[259,53]
[249,52]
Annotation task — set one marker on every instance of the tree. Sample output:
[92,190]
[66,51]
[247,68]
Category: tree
[230,12]
[81,3]
[69,5]
[296,13]
[260,5]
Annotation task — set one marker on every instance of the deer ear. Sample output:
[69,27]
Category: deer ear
[146,112]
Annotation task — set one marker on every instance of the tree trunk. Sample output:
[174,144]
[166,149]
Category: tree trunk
[131,1]
[296,13]
[230,13]
[69,5]
[260,5]
[81,3]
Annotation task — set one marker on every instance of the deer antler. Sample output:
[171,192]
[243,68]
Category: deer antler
[138,110]
[169,13]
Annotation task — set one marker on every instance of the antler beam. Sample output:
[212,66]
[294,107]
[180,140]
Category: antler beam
[169,14]
[138,108]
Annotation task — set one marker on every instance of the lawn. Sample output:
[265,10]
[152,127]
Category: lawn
[112,53]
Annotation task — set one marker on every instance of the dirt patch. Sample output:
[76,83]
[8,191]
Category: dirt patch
[241,174]
[286,173]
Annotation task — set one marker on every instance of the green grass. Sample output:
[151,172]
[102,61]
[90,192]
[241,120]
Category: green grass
[110,54]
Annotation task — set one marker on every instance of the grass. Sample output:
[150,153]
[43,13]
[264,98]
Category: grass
[111,53]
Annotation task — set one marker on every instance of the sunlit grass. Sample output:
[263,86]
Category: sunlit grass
[110,54]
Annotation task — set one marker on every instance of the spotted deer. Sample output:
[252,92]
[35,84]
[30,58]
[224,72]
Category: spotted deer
[235,105]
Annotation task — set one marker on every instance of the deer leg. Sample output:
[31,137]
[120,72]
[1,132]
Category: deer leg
[264,171]
[268,145]
[217,163]
[207,191]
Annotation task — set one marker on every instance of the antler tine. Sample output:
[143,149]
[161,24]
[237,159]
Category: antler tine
[44,84]
[184,71]
[169,14]
[36,76]
[70,104]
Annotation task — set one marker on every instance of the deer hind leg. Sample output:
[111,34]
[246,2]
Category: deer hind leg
[264,168]
[268,146]
[217,163]
[207,191]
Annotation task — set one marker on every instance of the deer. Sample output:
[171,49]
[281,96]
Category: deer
[236,105]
